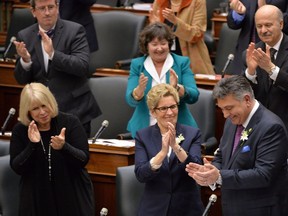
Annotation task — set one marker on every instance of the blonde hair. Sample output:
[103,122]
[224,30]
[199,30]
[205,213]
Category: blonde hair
[158,92]
[35,93]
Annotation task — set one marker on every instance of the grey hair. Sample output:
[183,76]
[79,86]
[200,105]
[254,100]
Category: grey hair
[236,85]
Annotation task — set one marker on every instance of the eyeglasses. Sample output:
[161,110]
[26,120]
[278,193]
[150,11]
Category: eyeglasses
[42,9]
[164,109]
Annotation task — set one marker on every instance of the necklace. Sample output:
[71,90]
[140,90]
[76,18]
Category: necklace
[49,159]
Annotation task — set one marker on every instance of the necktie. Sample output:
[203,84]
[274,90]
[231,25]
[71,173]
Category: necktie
[50,33]
[237,137]
[272,54]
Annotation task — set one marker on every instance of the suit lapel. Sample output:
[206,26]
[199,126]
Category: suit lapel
[58,33]
[251,125]
[282,52]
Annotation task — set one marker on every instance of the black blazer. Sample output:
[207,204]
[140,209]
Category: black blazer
[254,179]
[67,75]
[275,96]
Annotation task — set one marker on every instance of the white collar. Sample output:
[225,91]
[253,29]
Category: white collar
[255,107]
[150,67]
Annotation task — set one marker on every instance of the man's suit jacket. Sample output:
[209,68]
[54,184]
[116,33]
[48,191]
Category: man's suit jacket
[274,96]
[79,11]
[169,191]
[247,26]
[140,118]
[254,179]
[67,74]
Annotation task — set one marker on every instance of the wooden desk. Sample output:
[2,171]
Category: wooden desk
[102,166]
[97,8]
[9,93]
[205,83]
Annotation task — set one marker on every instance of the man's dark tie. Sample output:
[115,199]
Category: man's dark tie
[50,34]
[272,54]
[237,137]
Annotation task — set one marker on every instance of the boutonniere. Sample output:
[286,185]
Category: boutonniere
[179,139]
[244,136]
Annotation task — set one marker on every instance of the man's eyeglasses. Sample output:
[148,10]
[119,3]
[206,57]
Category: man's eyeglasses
[165,108]
[42,9]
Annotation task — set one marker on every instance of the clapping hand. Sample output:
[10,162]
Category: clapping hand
[57,142]
[33,132]
[237,6]
[173,78]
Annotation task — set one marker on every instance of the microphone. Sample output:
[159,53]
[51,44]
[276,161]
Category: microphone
[104,212]
[229,60]
[9,46]
[212,200]
[9,117]
[104,125]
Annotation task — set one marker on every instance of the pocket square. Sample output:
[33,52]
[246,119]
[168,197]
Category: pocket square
[245,149]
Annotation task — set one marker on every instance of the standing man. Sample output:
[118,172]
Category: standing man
[59,59]
[267,71]
[251,163]
[79,11]
[241,16]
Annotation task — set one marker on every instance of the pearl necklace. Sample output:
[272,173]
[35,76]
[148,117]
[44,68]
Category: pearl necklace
[49,159]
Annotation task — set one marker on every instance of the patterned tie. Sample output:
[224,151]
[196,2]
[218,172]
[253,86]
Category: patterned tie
[50,33]
[237,137]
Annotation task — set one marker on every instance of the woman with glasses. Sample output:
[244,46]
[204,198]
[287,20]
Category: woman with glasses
[161,154]
[49,150]
[159,65]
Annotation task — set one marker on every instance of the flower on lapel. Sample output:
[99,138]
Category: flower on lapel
[179,139]
[245,135]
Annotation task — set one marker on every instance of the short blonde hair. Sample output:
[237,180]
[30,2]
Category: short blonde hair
[35,93]
[158,92]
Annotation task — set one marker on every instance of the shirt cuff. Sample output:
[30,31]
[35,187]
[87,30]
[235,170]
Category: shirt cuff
[275,73]
[238,18]
[153,165]
[252,78]
[25,65]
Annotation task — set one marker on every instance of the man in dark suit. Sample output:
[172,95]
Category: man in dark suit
[251,167]
[269,77]
[241,16]
[79,11]
[60,62]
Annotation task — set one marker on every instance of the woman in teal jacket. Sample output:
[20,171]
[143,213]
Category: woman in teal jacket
[159,65]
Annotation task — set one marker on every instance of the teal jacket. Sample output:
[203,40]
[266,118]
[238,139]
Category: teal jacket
[140,117]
